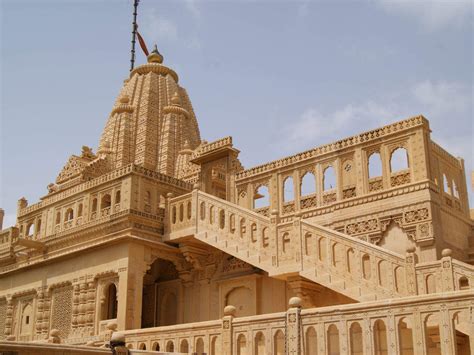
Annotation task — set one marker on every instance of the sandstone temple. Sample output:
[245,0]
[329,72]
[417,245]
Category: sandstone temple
[361,246]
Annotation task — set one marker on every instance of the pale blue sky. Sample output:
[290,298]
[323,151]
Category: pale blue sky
[279,76]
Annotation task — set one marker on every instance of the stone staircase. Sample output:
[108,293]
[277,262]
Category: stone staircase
[355,268]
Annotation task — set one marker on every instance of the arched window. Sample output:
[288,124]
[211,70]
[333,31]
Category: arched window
[221,219]
[30,229]
[265,237]
[106,201]
[311,341]
[181,212]
[455,189]
[357,347]
[308,184]
[142,346]
[253,232]
[94,205]
[243,227]
[69,215]
[232,223]
[155,346]
[366,266]
[241,345]
[58,217]
[117,196]
[432,334]
[211,214]
[405,337]
[322,249]
[199,346]
[173,215]
[279,343]
[446,187]
[430,284]
[184,346]
[380,338]
[350,260]
[261,198]
[375,165]
[383,273]
[110,306]
[202,211]
[288,190]
[333,340]
[170,346]
[399,160]
[189,210]
[259,344]
[214,346]
[79,210]
[463,283]
[329,178]
[285,240]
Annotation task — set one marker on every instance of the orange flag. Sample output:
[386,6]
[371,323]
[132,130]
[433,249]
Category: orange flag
[142,44]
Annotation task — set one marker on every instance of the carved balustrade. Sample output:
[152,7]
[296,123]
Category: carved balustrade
[356,268]
[413,324]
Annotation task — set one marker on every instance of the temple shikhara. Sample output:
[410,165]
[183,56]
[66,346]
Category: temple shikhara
[361,246]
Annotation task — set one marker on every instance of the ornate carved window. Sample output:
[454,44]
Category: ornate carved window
[399,160]
[329,178]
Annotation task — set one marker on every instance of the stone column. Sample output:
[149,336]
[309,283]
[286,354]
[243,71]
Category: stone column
[293,327]
[227,344]
[447,278]
[410,271]
[130,292]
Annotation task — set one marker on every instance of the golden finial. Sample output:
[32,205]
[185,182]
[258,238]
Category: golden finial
[155,56]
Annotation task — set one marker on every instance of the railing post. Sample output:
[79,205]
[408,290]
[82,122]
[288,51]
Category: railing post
[410,271]
[293,340]
[196,210]
[227,345]
[169,196]
[298,236]
[447,279]
[273,233]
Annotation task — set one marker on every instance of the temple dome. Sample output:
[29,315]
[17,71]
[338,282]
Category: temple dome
[152,120]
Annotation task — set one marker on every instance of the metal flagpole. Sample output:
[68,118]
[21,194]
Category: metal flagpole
[134,33]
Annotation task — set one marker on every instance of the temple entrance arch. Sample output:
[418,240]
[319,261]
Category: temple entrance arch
[161,295]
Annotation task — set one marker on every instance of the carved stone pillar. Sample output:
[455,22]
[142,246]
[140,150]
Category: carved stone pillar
[293,327]
[227,344]
[410,272]
[130,292]
[447,278]
[9,317]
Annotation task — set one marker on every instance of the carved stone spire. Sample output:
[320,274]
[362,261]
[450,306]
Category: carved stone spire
[151,120]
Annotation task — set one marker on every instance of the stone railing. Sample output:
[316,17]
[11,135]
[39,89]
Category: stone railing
[179,338]
[362,138]
[418,325]
[356,268]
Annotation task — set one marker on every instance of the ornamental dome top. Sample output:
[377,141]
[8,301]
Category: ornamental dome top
[155,56]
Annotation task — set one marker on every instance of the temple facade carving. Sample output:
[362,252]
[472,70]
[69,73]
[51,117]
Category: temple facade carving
[360,246]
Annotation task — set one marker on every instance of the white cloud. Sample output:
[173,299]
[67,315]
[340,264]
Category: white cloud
[447,105]
[432,14]
[314,125]
[158,28]
[9,220]
[442,97]
[193,8]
